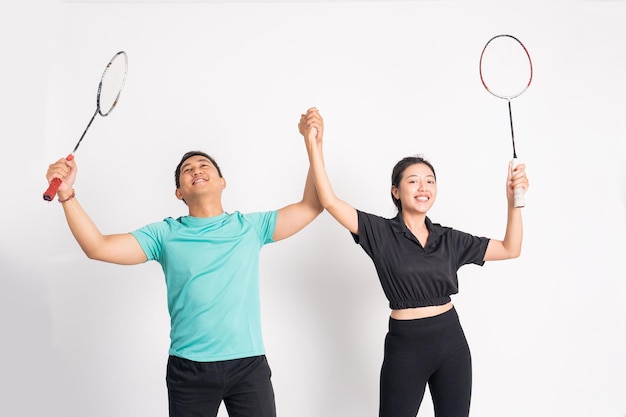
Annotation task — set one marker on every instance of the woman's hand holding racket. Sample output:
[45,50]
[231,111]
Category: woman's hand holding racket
[516,183]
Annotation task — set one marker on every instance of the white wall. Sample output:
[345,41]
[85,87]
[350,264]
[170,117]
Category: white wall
[391,79]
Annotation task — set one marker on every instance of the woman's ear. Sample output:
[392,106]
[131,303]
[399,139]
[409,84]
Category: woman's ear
[395,192]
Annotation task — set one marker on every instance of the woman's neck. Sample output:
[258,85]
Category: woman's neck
[415,222]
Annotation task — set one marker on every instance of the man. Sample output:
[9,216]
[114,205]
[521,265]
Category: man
[210,259]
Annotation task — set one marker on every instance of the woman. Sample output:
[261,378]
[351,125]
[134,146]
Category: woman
[417,261]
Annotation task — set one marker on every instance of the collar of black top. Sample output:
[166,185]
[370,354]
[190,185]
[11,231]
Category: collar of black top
[434,229]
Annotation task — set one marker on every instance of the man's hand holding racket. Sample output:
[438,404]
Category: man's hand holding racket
[64,169]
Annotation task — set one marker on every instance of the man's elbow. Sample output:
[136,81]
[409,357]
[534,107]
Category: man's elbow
[95,254]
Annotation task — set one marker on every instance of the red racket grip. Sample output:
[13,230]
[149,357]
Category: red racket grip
[52,189]
[49,194]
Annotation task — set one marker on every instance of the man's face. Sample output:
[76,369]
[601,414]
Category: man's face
[198,176]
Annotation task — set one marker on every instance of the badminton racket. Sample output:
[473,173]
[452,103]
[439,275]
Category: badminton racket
[109,90]
[506,72]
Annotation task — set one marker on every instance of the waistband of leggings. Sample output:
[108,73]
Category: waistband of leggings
[449,316]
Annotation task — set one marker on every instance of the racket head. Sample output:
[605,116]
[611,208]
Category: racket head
[111,83]
[505,67]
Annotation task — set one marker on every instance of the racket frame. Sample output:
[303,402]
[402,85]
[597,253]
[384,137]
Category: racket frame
[480,69]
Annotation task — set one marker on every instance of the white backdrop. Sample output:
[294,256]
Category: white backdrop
[547,330]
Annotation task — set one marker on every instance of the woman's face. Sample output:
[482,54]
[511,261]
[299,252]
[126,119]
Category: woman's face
[417,189]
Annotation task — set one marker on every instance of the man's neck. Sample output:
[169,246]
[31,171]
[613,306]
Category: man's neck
[205,208]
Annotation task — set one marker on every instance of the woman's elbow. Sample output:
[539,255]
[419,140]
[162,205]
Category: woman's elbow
[514,253]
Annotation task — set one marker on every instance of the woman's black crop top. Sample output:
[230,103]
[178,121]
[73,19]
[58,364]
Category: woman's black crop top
[413,276]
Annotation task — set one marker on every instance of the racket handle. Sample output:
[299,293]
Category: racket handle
[518,193]
[52,189]
[49,194]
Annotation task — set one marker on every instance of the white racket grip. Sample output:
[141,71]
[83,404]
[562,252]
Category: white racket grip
[518,193]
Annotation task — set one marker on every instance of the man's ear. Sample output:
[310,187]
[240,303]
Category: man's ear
[178,194]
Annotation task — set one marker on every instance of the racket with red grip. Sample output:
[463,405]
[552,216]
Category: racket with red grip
[109,90]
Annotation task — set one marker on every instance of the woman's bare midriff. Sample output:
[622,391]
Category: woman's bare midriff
[420,312]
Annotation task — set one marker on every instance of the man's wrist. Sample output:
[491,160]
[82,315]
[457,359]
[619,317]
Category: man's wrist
[66,196]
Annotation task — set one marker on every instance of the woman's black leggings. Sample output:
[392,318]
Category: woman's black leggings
[430,351]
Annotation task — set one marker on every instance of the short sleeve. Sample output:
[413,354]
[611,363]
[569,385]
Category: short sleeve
[468,249]
[264,223]
[371,234]
[151,237]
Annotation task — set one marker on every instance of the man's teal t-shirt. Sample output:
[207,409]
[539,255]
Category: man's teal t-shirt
[211,268]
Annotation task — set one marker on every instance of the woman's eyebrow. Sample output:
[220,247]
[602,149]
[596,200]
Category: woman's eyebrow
[417,175]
